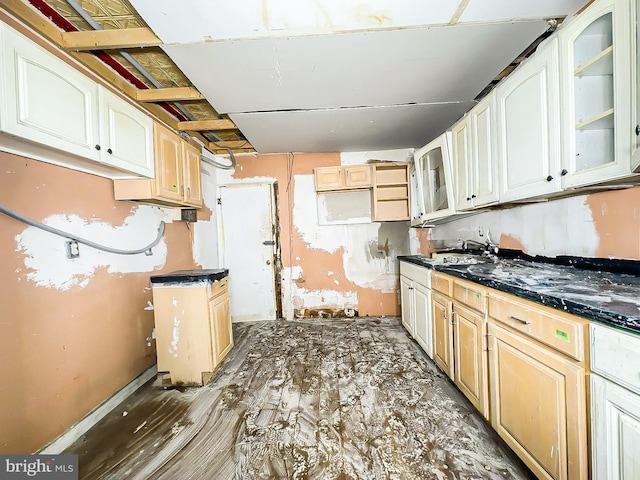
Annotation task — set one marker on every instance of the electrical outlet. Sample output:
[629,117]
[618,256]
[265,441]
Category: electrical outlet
[73,249]
[480,232]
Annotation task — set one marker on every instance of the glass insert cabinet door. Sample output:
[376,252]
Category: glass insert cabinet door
[596,82]
[433,167]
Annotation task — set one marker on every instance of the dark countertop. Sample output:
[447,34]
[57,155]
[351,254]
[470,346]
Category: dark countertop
[190,276]
[608,297]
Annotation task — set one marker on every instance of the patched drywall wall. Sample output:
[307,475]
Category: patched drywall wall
[73,332]
[327,270]
[604,224]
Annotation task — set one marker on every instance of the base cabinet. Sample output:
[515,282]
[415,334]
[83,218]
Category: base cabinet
[193,330]
[415,297]
[442,333]
[615,404]
[538,386]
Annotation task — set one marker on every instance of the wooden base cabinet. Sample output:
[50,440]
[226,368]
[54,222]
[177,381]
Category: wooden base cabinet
[193,330]
[460,341]
[538,393]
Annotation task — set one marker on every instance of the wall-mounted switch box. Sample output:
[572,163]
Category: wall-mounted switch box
[188,215]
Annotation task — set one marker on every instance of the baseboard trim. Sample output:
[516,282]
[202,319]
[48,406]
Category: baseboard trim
[65,440]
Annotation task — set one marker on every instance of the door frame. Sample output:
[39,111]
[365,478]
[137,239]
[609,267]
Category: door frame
[276,263]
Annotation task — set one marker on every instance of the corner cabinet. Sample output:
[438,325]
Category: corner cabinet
[435,182]
[528,115]
[474,156]
[178,181]
[597,128]
[54,113]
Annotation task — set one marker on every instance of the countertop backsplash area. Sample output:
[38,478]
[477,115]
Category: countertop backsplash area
[599,225]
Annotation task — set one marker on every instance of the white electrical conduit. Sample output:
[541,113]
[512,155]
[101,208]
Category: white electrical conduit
[96,26]
[13,214]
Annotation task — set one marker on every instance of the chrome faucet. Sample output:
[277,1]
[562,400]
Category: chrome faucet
[488,247]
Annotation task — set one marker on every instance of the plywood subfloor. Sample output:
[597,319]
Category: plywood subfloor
[334,399]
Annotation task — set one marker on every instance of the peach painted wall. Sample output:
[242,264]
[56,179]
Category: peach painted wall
[604,224]
[72,332]
[329,268]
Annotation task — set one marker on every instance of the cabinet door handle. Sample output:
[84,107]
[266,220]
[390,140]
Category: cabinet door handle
[444,313]
[549,178]
[188,191]
[637,130]
[181,189]
[97,147]
[473,196]
[524,322]
[109,151]
[564,172]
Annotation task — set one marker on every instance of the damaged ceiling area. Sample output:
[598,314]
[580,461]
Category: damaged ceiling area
[277,76]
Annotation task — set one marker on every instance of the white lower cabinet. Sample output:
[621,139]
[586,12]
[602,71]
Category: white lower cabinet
[415,298]
[615,404]
[52,112]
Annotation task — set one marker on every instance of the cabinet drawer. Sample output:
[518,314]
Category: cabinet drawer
[560,331]
[416,273]
[470,294]
[442,283]
[219,287]
[616,355]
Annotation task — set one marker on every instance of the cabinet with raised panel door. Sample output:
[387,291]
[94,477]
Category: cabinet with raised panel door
[474,156]
[538,372]
[528,116]
[343,177]
[177,179]
[415,298]
[54,113]
[460,342]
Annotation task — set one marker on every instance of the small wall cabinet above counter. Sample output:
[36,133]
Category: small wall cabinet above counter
[388,182]
[52,112]
[342,177]
[178,180]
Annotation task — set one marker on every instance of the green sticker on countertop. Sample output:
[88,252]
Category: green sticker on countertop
[564,336]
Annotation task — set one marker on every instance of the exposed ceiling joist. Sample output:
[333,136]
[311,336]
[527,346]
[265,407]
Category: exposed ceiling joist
[200,125]
[110,39]
[175,94]
[234,144]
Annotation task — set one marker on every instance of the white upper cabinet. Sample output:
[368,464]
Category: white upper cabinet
[126,135]
[433,167]
[52,112]
[528,127]
[635,91]
[474,156]
[597,128]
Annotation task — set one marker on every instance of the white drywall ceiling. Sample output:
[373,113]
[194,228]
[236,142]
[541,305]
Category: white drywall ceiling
[300,63]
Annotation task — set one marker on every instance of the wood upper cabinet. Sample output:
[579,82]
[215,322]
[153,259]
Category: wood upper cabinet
[537,390]
[391,197]
[54,113]
[178,179]
[528,116]
[343,177]
[597,128]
